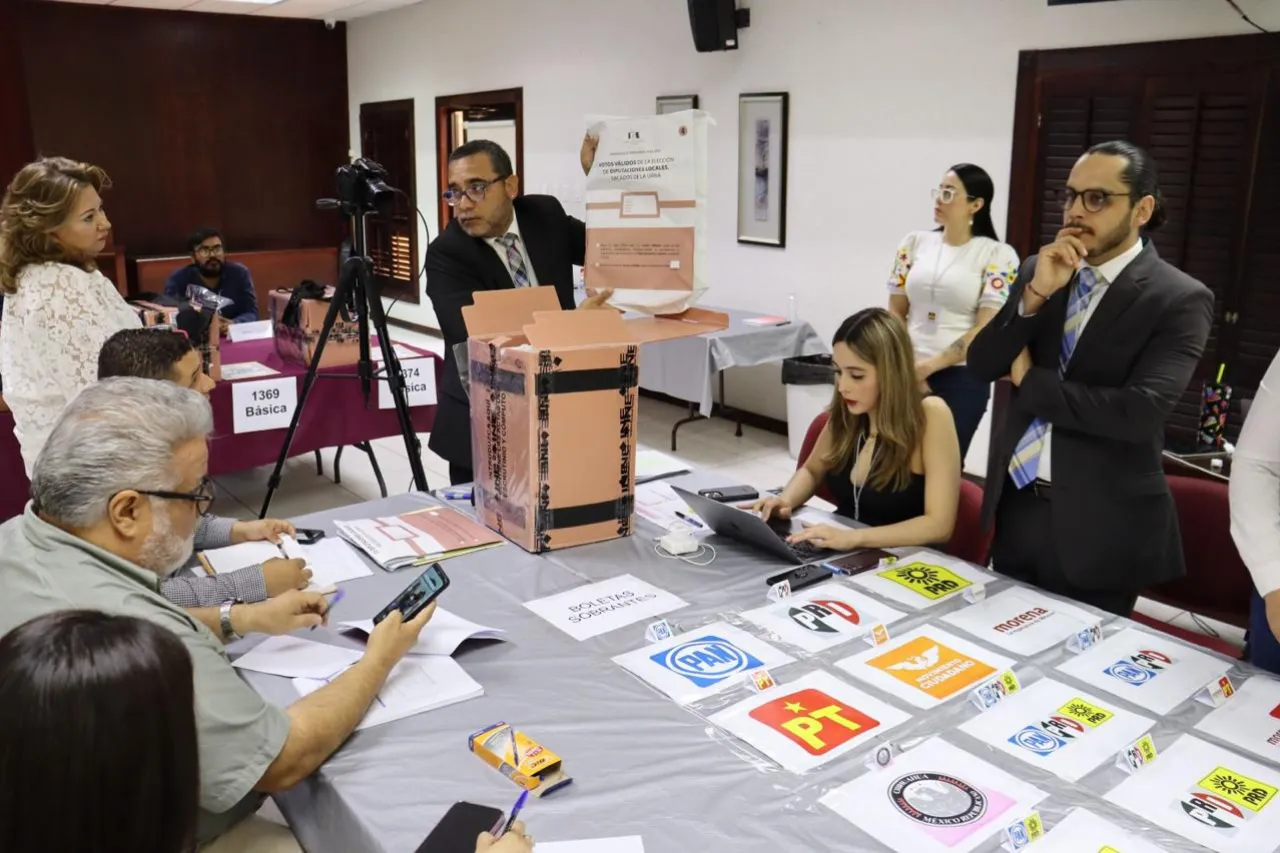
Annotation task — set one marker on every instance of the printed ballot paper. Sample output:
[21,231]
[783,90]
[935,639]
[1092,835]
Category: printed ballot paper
[805,723]
[442,636]
[1084,830]
[702,662]
[598,608]
[1022,620]
[935,798]
[926,667]
[822,616]
[1207,794]
[1250,720]
[331,561]
[1058,728]
[646,210]
[923,579]
[416,685]
[1150,670]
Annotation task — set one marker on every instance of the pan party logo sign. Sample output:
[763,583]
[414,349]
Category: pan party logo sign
[1139,668]
[1224,800]
[932,667]
[932,582]
[814,721]
[706,661]
[820,616]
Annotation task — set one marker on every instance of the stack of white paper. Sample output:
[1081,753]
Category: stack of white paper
[654,465]
[293,657]
[443,634]
[629,844]
[416,685]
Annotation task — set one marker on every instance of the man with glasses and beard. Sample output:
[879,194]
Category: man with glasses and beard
[497,240]
[210,268]
[1100,338]
[117,493]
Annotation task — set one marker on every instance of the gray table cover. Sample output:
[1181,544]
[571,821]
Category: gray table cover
[686,367]
[641,764]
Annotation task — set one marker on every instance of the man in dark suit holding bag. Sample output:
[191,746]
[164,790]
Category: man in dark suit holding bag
[497,240]
[1100,339]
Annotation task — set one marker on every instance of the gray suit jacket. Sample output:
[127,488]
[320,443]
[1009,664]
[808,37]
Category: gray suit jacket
[1114,524]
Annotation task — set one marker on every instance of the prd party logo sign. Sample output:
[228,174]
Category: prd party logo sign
[822,615]
[932,582]
[945,807]
[1224,800]
[1139,668]
[814,721]
[706,661]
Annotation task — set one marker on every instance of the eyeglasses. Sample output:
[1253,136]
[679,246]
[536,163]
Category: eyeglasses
[1094,200]
[202,496]
[474,191]
[946,194]
[206,251]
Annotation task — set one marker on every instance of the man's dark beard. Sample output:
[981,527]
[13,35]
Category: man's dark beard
[212,269]
[1116,237]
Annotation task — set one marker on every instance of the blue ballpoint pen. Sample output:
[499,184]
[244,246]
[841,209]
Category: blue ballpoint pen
[688,518]
[515,813]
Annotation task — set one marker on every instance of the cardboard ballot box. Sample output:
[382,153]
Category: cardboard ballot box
[296,323]
[553,414]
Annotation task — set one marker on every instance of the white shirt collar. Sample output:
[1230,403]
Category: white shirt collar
[1112,269]
[514,228]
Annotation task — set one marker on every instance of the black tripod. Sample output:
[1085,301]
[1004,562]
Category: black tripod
[356,289]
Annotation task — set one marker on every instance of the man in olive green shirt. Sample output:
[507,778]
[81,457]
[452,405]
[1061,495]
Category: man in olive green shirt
[117,494]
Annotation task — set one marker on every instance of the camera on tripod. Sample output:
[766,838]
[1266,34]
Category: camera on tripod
[362,186]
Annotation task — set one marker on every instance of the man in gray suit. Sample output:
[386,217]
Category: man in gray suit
[1100,338]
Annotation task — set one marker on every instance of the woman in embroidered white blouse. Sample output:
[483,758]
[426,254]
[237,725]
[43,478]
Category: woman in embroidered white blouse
[58,309]
[947,284]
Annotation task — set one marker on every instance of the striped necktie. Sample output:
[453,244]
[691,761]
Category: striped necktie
[1025,463]
[515,259]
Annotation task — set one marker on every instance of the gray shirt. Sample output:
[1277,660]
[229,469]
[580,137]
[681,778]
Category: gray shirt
[45,569]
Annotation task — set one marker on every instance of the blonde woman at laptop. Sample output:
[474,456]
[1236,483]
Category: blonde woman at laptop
[888,454]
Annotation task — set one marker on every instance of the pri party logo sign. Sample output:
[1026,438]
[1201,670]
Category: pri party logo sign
[931,667]
[706,661]
[1139,668]
[823,615]
[814,721]
[1224,800]
[1074,719]
[932,582]
[945,807]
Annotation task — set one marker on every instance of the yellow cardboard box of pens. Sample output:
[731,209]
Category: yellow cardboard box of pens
[520,758]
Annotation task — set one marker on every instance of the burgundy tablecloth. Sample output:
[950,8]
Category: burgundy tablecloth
[335,415]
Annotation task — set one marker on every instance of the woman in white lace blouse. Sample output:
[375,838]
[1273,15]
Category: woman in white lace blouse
[58,309]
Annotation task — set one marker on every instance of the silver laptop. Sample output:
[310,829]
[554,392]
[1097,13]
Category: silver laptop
[750,529]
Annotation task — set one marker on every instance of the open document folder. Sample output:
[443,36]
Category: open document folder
[423,536]
[442,636]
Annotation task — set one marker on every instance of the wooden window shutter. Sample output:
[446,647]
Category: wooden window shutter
[386,135]
[1202,132]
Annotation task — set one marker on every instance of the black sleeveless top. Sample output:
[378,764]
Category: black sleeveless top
[877,508]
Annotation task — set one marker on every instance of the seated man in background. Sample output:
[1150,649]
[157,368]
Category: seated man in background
[168,356]
[117,492]
[497,240]
[210,268]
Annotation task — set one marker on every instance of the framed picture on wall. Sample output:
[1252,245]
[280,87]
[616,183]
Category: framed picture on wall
[762,168]
[676,103]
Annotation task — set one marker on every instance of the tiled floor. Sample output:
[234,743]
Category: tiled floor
[758,458]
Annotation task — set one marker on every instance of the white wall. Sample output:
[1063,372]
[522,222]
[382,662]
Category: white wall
[885,95]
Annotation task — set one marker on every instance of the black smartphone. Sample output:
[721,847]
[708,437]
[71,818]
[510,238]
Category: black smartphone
[460,827]
[307,536]
[417,595]
[858,562]
[801,577]
[730,494]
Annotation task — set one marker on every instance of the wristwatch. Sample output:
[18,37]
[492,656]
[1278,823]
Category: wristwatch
[224,618]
